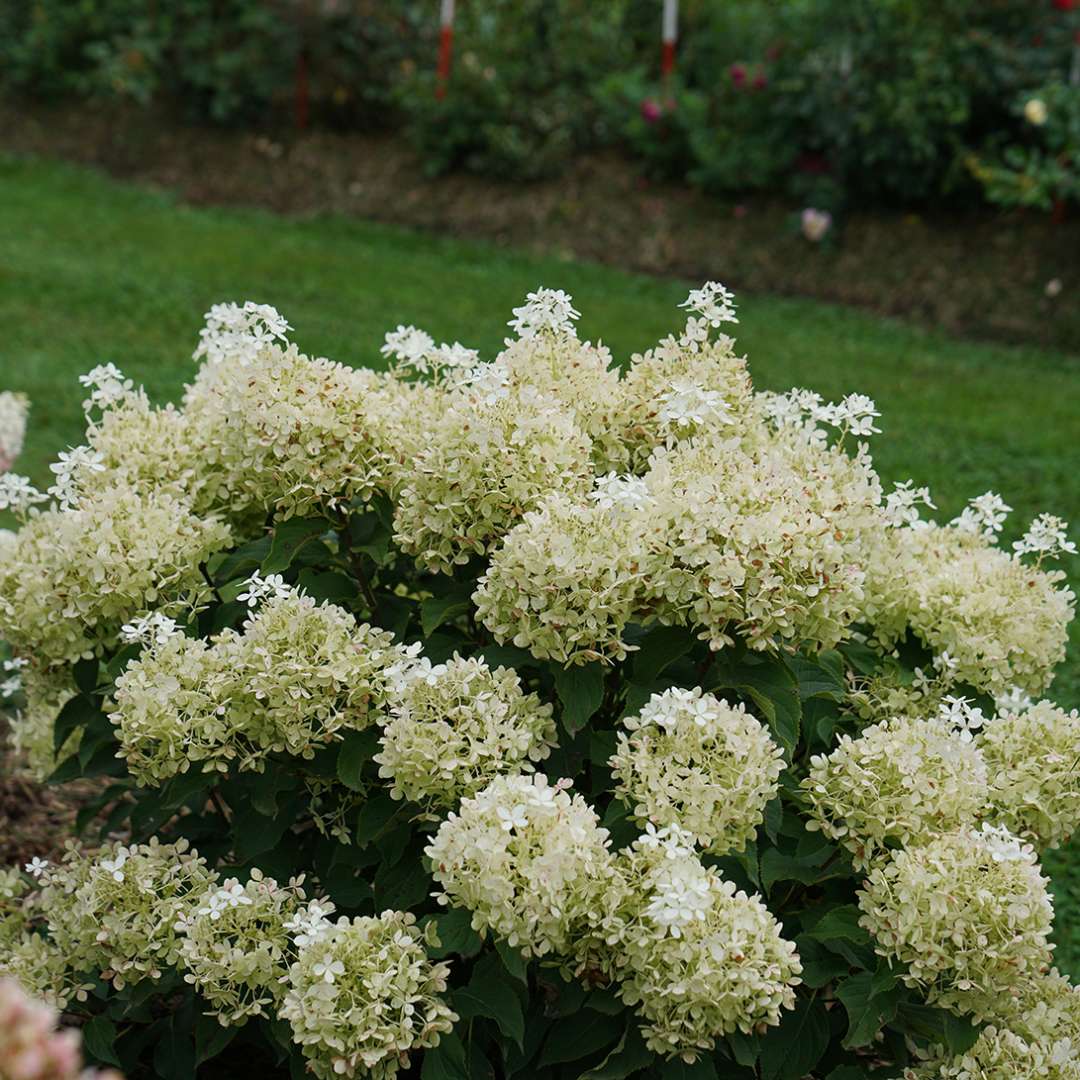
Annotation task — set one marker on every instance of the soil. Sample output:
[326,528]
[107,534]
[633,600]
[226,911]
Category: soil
[1003,276]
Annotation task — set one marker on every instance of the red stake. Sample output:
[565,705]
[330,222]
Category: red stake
[446,47]
[669,36]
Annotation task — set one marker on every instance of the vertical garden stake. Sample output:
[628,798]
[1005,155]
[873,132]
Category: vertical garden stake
[446,47]
[669,35]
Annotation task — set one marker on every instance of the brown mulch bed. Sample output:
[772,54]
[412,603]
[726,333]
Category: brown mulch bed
[976,272]
[36,819]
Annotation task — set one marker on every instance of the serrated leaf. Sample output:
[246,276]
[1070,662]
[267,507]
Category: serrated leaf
[490,994]
[287,540]
[627,1057]
[660,647]
[792,1050]
[437,610]
[447,1061]
[578,1036]
[512,960]
[99,1041]
[868,1007]
[76,713]
[355,751]
[211,1038]
[581,692]
[455,933]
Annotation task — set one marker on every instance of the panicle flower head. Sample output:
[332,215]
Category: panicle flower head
[901,782]
[238,333]
[1047,538]
[116,913]
[967,912]
[72,579]
[565,583]
[107,386]
[296,676]
[691,759]
[453,727]
[409,346]
[364,995]
[984,515]
[13,410]
[18,494]
[32,1047]
[714,303]
[697,958]
[485,466]
[235,946]
[526,858]
[1032,756]
[545,311]
[1002,622]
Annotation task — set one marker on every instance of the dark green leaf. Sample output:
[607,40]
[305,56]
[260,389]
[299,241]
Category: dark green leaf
[627,1057]
[456,935]
[659,648]
[99,1042]
[936,1026]
[447,1061]
[490,994]
[677,1069]
[820,965]
[580,1035]
[85,673]
[76,713]
[868,1007]
[792,1050]
[255,833]
[437,610]
[840,924]
[174,1054]
[772,688]
[211,1037]
[288,538]
[512,959]
[242,562]
[581,691]
[777,865]
[822,677]
[327,586]
[355,752]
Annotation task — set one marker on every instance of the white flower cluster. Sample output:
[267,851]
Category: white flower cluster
[697,958]
[526,858]
[694,956]
[72,579]
[296,676]
[453,727]
[363,995]
[1034,783]
[1003,622]
[695,761]
[117,913]
[968,913]
[236,333]
[13,409]
[236,948]
[900,783]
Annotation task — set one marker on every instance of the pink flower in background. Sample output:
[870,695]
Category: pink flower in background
[761,80]
[651,111]
[739,211]
[816,224]
[738,76]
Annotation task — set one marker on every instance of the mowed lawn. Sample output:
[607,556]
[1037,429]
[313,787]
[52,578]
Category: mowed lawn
[93,271]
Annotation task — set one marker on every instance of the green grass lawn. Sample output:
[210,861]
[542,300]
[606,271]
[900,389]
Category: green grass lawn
[92,271]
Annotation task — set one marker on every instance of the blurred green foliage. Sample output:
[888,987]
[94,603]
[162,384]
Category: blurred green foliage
[892,101]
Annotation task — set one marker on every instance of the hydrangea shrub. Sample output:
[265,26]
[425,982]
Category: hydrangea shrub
[529,717]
